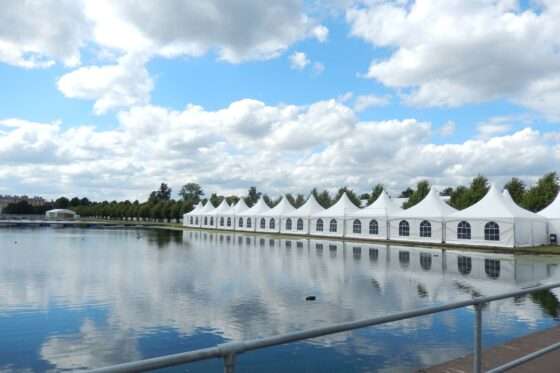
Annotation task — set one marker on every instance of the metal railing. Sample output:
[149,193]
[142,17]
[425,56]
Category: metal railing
[229,351]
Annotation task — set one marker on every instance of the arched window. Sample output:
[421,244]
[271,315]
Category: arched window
[464,265]
[373,227]
[288,224]
[222,221]
[492,231]
[332,226]
[212,221]
[229,222]
[300,224]
[404,258]
[240,223]
[263,223]
[426,261]
[319,226]
[191,220]
[249,222]
[357,226]
[404,228]
[492,268]
[463,231]
[196,221]
[425,229]
[271,224]
[206,220]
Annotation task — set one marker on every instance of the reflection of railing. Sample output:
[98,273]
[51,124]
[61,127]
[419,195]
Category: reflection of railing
[229,351]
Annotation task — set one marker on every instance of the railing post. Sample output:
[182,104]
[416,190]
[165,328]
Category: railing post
[229,363]
[477,355]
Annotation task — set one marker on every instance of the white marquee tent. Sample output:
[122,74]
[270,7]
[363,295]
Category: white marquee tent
[424,221]
[190,219]
[223,216]
[240,206]
[552,215]
[205,215]
[246,220]
[373,220]
[297,221]
[275,216]
[496,220]
[330,222]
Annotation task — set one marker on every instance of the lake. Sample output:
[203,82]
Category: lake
[84,298]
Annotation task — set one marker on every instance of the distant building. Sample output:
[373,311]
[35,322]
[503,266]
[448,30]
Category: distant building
[61,214]
[33,201]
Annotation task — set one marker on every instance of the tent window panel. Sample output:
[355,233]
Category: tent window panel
[404,258]
[426,261]
[300,224]
[357,226]
[425,229]
[249,223]
[229,222]
[263,223]
[319,225]
[240,223]
[222,221]
[191,220]
[333,226]
[205,220]
[373,227]
[491,231]
[196,220]
[288,224]
[463,231]
[464,265]
[404,229]
[211,221]
[271,224]
[492,268]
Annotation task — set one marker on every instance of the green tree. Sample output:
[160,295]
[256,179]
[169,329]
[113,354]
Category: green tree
[323,198]
[375,193]
[447,192]
[516,189]
[162,194]
[542,193]
[191,192]
[252,196]
[421,191]
[216,199]
[351,196]
[232,200]
[62,203]
[406,193]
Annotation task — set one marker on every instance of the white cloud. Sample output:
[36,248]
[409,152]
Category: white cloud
[298,61]
[321,33]
[447,129]
[448,53]
[124,84]
[278,148]
[370,101]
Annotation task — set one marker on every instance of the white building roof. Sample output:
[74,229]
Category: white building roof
[240,206]
[222,209]
[343,207]
[552,211]
[495,205]
[309,208]
[283,208]
[432,206]
[258,209]
[383,206]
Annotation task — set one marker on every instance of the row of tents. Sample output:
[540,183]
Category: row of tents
[496,220]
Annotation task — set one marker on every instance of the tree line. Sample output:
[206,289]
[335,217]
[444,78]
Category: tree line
[160,206]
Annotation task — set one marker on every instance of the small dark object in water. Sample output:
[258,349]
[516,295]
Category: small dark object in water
[310,297]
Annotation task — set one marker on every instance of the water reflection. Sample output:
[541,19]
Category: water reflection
[102,297]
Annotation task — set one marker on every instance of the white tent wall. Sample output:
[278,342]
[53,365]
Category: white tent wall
[296,228]
[382,228]
[437,232]
[554,227]
[327,231]
[248,223]
[225,222]
[267,224]
[507,236]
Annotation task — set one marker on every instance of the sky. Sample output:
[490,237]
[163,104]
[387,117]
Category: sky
[107,99]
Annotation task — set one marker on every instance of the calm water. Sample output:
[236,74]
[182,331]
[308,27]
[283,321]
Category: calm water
[74,299]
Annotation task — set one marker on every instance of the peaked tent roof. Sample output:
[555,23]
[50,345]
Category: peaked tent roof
[240,206]
[223,209]
[196,208]
[283,208]
[495,205]
[383,206]
[310,207]
[342,207]
[208,208]
[258,209]
[552,211]
[432,206]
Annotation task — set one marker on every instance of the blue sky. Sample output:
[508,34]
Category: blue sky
[117,96]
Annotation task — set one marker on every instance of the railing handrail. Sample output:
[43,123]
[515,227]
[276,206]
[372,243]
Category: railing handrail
[229,350]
